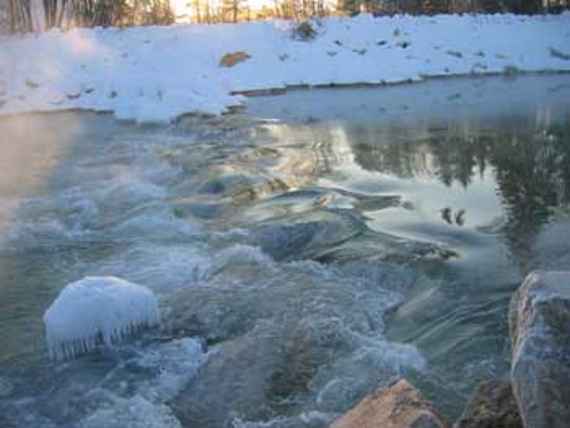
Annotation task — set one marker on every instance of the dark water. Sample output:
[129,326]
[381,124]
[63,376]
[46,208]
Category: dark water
[306,252]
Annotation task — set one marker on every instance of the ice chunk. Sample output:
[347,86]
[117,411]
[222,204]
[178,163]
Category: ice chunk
[97,310]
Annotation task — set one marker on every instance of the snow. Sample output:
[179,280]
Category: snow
[97,309]
[155,74]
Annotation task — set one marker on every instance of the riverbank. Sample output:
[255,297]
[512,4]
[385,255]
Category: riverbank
[156,74]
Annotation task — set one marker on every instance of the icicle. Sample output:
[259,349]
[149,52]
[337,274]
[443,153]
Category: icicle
[97,310]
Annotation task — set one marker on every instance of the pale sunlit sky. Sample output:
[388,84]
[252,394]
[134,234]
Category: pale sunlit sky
[182,8]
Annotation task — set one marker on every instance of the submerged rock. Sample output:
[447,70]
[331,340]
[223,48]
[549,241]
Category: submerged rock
[288,339]
[399,406]
[539,321]
[493,405]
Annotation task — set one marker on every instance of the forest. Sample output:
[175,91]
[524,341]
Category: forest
[39,15]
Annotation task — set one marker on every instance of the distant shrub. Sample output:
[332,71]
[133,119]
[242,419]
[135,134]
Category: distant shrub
[511,70]
[304,31]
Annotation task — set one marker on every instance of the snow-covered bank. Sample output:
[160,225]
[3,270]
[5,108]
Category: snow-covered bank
[159,73]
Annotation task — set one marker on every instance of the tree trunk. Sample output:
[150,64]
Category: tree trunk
[12,16]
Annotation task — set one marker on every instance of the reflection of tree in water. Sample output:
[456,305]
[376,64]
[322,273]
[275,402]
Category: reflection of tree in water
[526,180]
[532,170]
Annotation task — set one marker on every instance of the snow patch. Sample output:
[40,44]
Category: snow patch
[95,310]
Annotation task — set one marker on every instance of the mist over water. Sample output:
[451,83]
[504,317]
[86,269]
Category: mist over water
[306,252]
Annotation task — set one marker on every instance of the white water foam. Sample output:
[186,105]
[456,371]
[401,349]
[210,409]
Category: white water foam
[135,412]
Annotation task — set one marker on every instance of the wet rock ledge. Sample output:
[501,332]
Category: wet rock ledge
[537,395]
[539,321]
[492,405]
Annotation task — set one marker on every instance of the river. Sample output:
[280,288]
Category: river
[306,250]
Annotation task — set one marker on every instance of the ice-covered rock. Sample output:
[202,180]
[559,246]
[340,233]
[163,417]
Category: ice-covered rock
[97,310]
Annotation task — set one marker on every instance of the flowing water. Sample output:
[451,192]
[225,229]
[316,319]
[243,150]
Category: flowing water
[306,251]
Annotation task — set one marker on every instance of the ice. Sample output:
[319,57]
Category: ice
[95,310]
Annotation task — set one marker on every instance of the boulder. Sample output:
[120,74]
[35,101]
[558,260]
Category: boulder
[231,59]
[492,405]
[539,321]
[399,406]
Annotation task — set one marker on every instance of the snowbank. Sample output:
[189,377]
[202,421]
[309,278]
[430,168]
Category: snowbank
[159,73]
[97,309]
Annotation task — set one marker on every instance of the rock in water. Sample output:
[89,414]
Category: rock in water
[493,405]
[539,320]
[97,310]
[399,406]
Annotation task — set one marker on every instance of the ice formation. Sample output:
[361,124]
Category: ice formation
[97,310]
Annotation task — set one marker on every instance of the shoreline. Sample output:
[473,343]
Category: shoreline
[280,91]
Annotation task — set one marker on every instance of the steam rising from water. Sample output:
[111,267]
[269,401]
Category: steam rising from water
[33,146]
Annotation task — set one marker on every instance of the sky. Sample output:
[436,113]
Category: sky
[181,7]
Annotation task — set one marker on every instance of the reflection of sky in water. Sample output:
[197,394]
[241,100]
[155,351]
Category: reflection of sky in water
[429,198]
[429,204]
[425,196]
[490,161]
